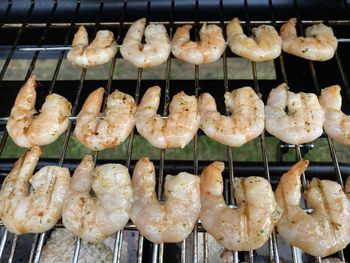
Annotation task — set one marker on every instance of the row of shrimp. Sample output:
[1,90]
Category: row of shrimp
[99,201]
[264,44]
[294,118]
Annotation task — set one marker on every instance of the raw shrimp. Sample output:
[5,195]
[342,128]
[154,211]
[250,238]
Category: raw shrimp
[294,118]
[337,124]
[319,43]
[249,226]
[36,211]
[209,49]
[265,43]
[175,131]
[174,219]
[245,123]
[327,229]
[156,50]
[114,129]
[95,218]
[27,129]
[101,50]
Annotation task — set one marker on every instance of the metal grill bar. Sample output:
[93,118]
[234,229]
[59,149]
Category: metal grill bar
[318,92]
[75,258]
[158,249]
[5,135]
[176,23]
[297,147]
[273,249]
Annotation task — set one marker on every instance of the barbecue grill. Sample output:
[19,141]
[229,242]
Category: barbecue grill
[29,29]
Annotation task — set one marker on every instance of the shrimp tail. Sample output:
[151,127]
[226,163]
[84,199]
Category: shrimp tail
[94,101]
[80,38]
[211,179]
[81,180]
[288,29]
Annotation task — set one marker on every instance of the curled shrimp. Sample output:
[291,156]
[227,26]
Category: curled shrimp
[114,128]
[247,227]
[319,43]
[327,229]
[245,123]
[175,131]
[101,50]
[337,124]
[209,49]
[27,129]
[95,218]
[23,211]
[156,50]
[172,220]
[265,43]
[294,118]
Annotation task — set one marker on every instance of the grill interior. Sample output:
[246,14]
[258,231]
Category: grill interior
[46,24]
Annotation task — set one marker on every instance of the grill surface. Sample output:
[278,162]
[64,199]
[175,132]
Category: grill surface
[46,24]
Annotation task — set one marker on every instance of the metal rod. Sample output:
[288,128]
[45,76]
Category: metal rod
[318,92]
[13,248]
[82,78]
[137,94]
[272,242]
[194,235]
[5,136]
[127,23]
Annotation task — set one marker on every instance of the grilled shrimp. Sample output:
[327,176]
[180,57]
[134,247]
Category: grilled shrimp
[246,228]
[319,43]
[175,131]
[347,187]
[26,129]
[24,211]
[95,218]
[327,229]
[337,124]
[265,43]
[173,220]
[294,118]
[209,49]
[114,129]
[156,50]
[101,50]
[245,123]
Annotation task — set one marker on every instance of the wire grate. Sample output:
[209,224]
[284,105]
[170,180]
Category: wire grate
[190,248]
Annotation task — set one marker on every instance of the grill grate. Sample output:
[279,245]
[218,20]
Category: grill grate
[190,248]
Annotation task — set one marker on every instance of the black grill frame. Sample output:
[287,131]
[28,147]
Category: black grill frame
[46,15]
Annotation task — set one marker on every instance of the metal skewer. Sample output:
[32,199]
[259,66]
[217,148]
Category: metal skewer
[340,40]
[53,48]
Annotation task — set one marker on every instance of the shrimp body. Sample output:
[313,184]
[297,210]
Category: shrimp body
[95,218]
[101,50]
[337,124]
[114,128]
[173,220]
[23,211]
[304,120]
[247,227]
[27,130]
[209,49]
[265,43]
[327,229]
[173,132]
[55,112]
[156,50]
[245,123]
[319,44]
